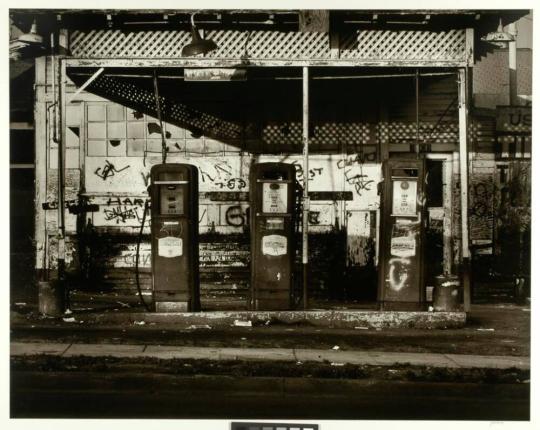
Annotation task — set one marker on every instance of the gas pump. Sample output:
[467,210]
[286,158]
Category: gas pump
[401,269]
[174,195]
[272,235]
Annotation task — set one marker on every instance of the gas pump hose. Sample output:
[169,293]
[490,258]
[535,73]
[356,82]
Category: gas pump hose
[139,238]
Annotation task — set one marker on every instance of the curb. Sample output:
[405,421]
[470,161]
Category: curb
[346,319]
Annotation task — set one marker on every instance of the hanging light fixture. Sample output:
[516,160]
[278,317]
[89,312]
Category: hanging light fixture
[32,38]
[27,45]
[499,38]
[198,45]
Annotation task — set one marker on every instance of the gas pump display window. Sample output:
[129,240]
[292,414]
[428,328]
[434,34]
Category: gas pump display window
[274,224]
[171,200]
[274,197]
[404,198]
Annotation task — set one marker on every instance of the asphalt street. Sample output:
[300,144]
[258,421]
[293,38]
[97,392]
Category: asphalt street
[68,394]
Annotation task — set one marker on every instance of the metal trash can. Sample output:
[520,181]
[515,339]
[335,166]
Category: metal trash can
[446,294]
[51,299]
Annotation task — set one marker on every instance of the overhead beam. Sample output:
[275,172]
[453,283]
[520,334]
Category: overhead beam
[212,62]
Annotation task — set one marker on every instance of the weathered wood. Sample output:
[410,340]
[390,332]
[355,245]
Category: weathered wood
[40,121]
[212,62]
[21,126]
[314,20]
[331,195]
[372,44]
[448,219]
[469,46]
[225,196]
[305,199]
[334,45]
[464,185]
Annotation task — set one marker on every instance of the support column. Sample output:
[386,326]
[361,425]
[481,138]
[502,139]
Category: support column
[305,216]
[42,130]
[60,134]
[464,187]
[512,65]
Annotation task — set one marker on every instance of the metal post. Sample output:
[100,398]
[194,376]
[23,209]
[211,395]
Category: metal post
[464,187]
[512,66]
[61,168]
[305,136]
[417,96]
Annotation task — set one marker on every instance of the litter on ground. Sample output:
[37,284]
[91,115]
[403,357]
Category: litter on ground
[199,326]
[239,323]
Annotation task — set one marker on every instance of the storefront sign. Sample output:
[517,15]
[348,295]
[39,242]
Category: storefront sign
[404,198]
[170,247]
[274,197]
[514,119]
[274,244]
[214,74]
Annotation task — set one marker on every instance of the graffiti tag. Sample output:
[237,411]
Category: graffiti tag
[398,280]
[360,182]
[121,214]
[108,170]
[313,217]
[360,158]
[235,216]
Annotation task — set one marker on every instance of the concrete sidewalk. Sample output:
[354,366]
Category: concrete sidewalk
[334,357]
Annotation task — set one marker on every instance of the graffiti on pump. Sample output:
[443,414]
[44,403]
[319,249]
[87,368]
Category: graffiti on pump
[398,272]
[108,170]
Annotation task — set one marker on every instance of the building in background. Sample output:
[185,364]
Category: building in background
[383,85]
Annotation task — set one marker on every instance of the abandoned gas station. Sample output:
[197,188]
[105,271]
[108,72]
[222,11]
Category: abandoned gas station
[274,160]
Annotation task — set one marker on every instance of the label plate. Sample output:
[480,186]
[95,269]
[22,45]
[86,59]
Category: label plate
[274,244]
[170,247]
